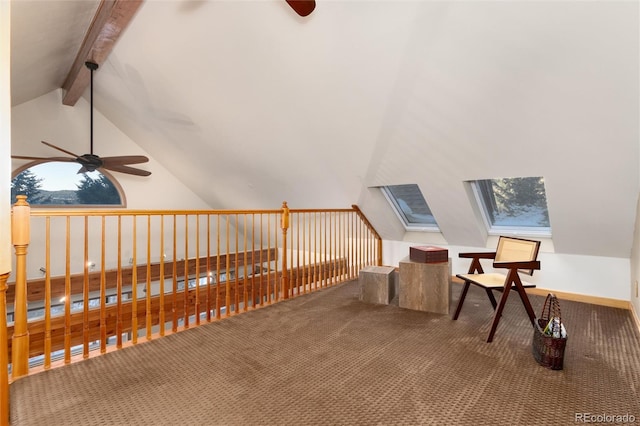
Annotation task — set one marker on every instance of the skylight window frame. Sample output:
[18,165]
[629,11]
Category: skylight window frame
[402,217]
[510,230]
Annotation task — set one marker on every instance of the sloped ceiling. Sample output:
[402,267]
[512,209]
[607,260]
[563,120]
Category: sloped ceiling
[249,104]
[45,38]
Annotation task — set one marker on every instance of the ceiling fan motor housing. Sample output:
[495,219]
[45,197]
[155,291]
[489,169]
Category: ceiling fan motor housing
[90,162]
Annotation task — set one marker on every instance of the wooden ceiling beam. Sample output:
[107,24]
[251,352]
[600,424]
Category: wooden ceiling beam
[111,18]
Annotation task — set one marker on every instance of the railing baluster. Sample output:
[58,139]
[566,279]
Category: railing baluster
[298,269]
[236,283]
[208,268]
[269,296]
[330,245]
[308,249]
[253,260]
[67,294]
[148,316]
[185,292]
[134,284]
[161,315]
[227,267]
[277,284]
[174,293]
[285,227]
[245,272]
[263,278]
[103,290]
[218,299]
[197,278]
[119,324]
[85,292]
[47,295]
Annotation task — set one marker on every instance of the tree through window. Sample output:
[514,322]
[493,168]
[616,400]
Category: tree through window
[59,184]
[513,203]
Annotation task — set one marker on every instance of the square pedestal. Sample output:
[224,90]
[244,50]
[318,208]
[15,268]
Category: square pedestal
[425,286]
[377,284]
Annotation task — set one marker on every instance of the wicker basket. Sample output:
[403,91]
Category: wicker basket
[548,349]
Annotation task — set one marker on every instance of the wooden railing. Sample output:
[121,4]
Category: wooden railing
[90,281]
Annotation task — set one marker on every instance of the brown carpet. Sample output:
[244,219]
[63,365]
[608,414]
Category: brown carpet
[329,359]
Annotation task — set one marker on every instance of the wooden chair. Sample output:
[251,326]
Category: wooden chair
[515,254]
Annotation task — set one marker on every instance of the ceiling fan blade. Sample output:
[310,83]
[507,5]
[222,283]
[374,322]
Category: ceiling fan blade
[124,159]
[302,7]
[24,157]
[126,169]
[60,149]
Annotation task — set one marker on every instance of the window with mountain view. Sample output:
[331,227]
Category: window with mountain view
[60,184]
[513,204]
[410,206]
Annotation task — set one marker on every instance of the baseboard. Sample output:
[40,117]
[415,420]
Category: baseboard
[575,297]
[634,314]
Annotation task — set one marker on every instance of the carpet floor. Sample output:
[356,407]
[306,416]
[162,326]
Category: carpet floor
[328,359]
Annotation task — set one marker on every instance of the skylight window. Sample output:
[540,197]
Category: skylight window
[411,207]
[513,205]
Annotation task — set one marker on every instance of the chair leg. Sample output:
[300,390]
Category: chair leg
[527,304]
[498,314]
[461,301]
[491,298]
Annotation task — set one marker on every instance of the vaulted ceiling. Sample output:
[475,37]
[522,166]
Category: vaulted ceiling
[250,104]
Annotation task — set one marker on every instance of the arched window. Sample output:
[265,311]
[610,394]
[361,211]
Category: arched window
[54,183]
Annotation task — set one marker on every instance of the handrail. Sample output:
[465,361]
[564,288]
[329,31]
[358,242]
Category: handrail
[112,277]
[373,230]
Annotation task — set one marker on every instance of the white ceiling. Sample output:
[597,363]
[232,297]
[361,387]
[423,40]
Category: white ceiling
[45,38]
[249,104]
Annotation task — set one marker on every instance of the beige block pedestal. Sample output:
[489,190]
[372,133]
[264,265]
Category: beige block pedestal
[377,284]
[425,286]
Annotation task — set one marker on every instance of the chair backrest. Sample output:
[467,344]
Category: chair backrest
[512,249]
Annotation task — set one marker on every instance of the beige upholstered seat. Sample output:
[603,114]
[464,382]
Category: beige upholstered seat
[515,254]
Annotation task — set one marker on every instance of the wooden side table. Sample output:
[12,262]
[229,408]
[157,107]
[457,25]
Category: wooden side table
[377,284]
[425,286]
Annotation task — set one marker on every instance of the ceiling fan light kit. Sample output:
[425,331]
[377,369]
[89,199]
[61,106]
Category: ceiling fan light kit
[91,162]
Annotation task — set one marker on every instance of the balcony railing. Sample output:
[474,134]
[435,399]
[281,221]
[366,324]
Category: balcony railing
[90,281]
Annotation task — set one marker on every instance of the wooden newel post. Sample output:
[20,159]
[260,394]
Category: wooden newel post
[4,356]
[285,227]
[20,236]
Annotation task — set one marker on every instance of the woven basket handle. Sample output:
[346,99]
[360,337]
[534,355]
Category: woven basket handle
[551,310]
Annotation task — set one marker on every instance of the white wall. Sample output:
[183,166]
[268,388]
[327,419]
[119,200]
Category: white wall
[46,118]
[5,137]
[606,277]
[509,89]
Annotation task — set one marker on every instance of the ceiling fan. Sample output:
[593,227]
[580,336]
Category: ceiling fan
[91,162]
